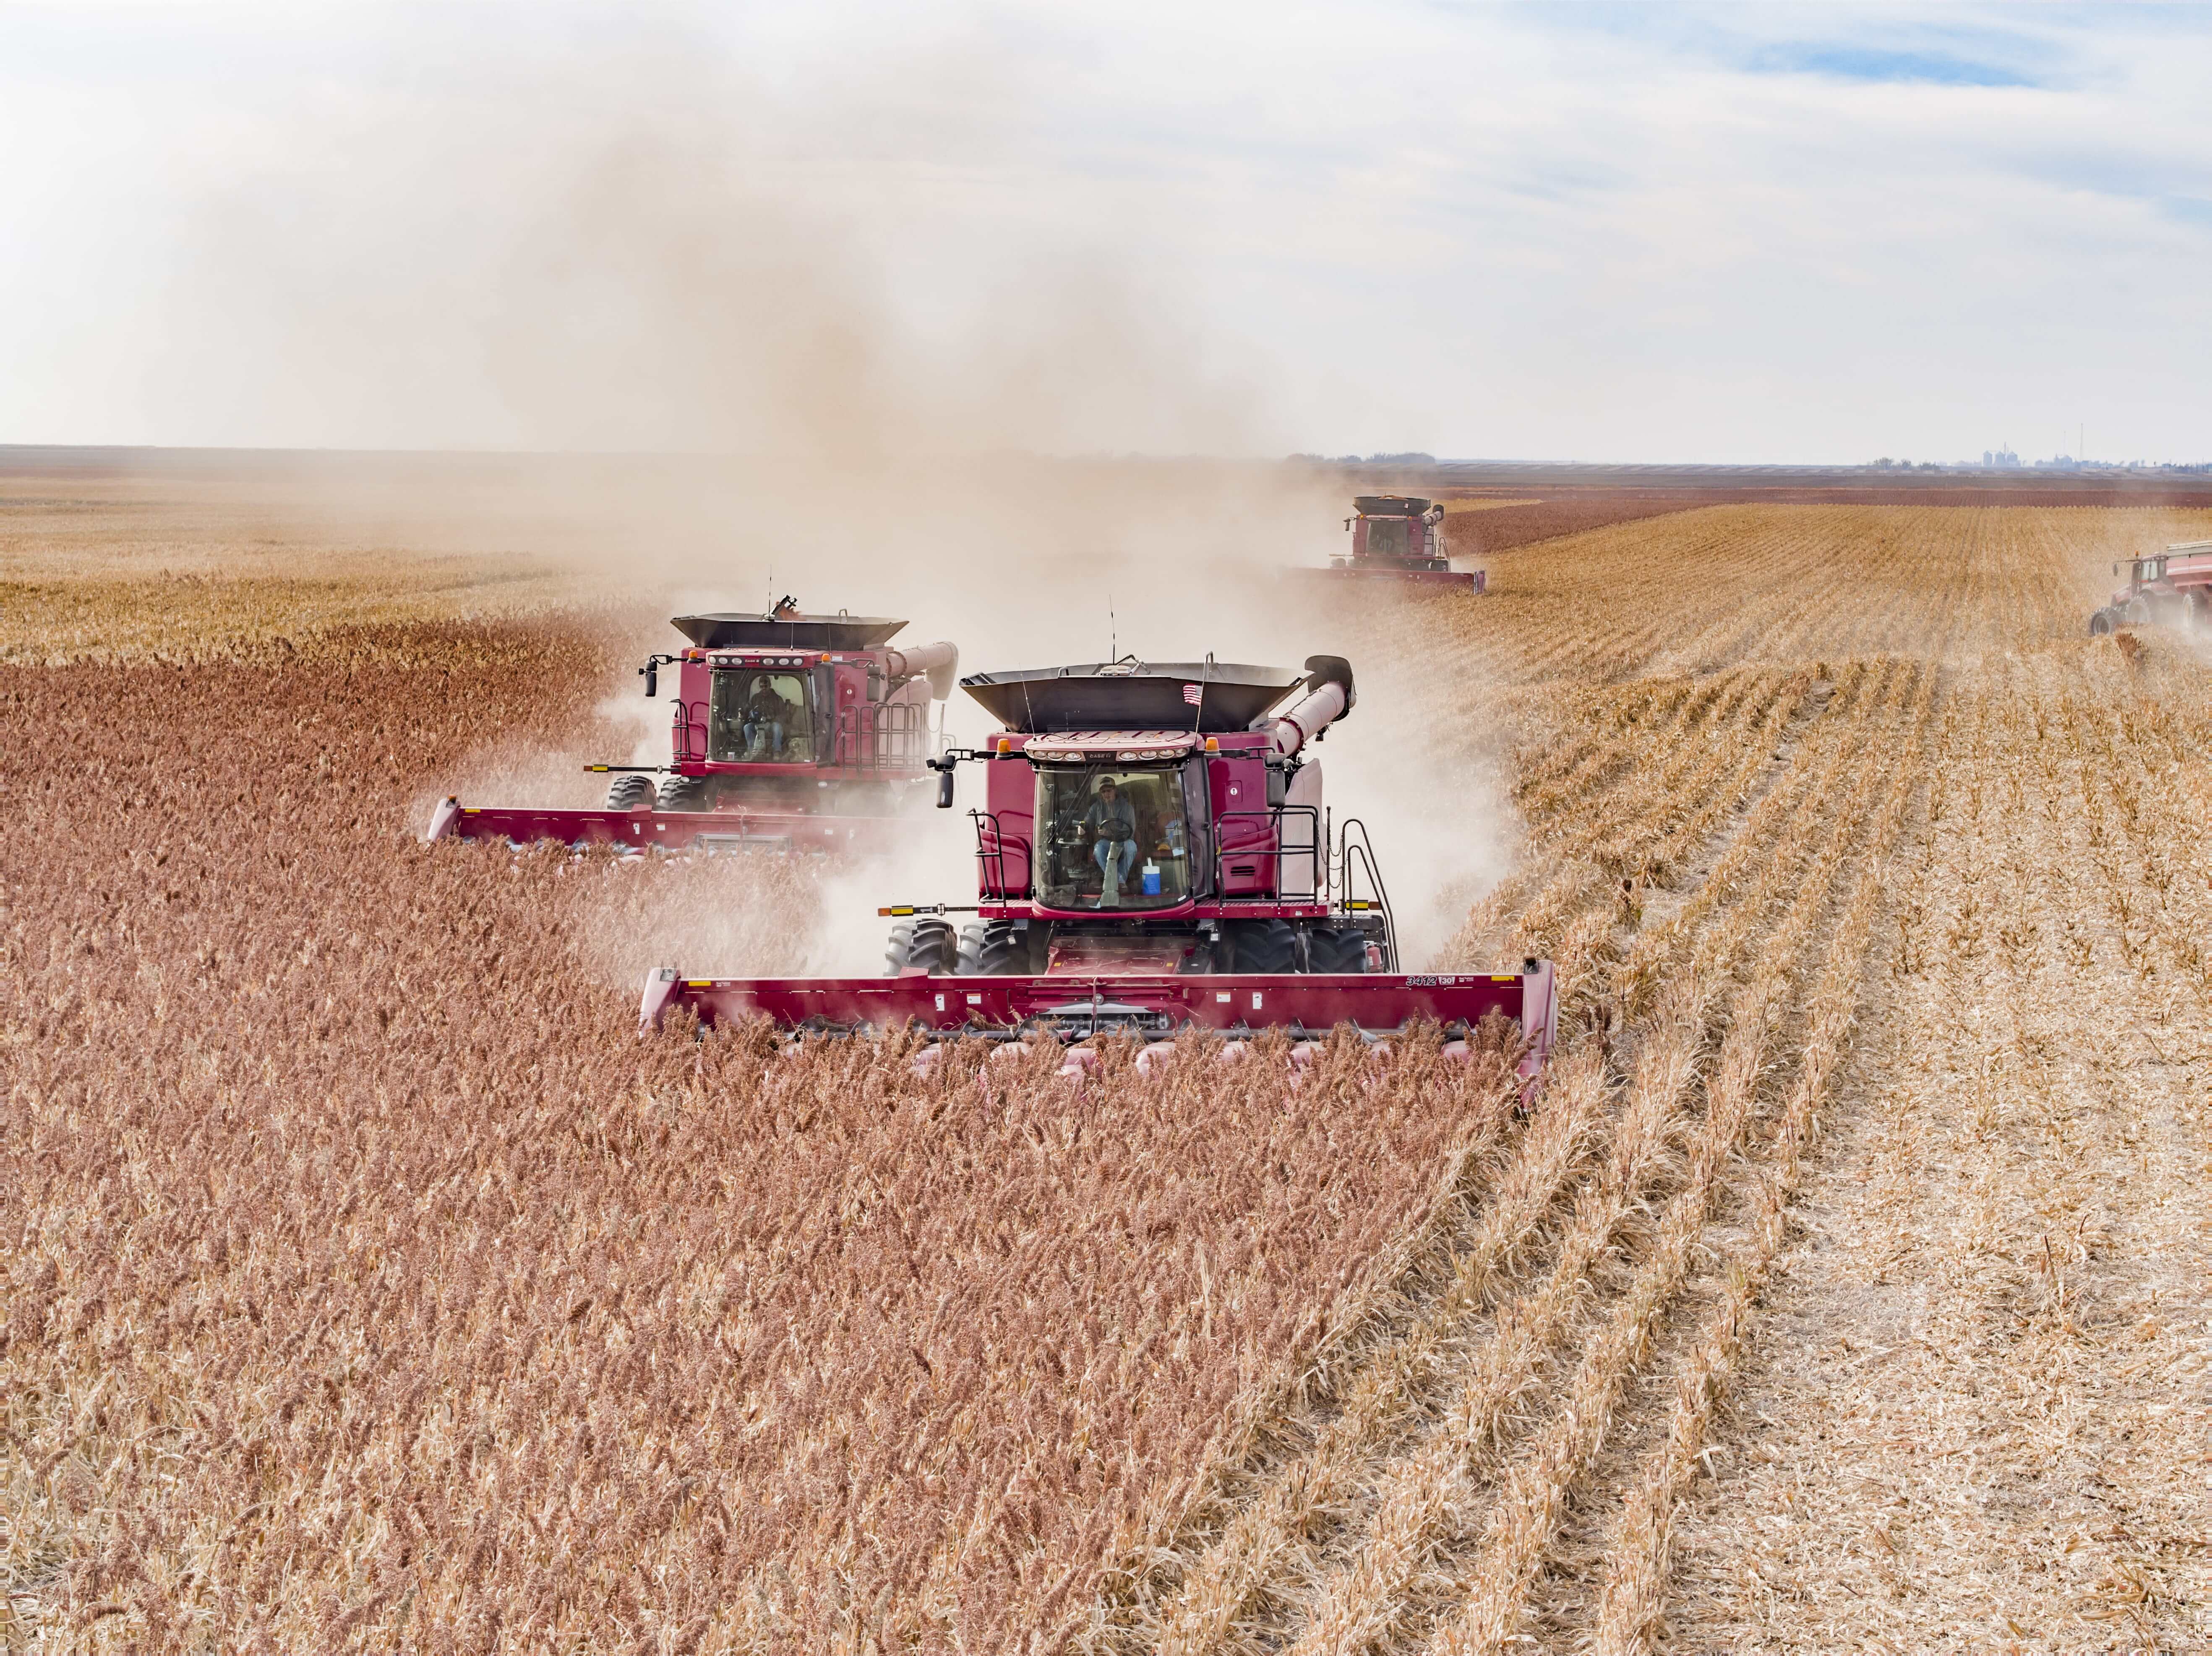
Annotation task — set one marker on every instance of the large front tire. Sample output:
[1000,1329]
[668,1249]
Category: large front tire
[630,793]
[1265,948]
[684,793]
[1331,950]
[927,941]
[2100,623]
[993,949]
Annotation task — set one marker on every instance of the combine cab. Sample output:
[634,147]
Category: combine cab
[1153,854]
[1397,537]
[801,732]
[2173,589]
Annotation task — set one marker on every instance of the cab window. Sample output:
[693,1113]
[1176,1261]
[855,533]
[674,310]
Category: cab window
[1111,837]
[1387,538]
[760,718]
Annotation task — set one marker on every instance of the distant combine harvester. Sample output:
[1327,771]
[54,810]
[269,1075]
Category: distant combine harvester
[1397,538]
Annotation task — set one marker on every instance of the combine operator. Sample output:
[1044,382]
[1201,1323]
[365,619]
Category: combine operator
[1112,822]
[767,721]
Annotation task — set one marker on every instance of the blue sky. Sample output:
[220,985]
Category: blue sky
[1637,233]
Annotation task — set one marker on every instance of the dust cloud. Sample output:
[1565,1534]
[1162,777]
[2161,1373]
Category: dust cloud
[728,353]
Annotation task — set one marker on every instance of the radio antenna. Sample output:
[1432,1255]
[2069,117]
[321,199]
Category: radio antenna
[1113,636]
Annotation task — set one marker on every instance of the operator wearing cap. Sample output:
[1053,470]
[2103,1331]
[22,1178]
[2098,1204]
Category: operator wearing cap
[1112,822]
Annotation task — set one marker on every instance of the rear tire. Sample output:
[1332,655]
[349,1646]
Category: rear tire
[1265,948]
[926,940]
[683,793]
[630,793]
[1333,950]
[2100,623]
[992,948]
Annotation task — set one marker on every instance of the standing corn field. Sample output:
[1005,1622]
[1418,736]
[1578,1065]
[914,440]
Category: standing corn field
[1844,1283]
[1735,804]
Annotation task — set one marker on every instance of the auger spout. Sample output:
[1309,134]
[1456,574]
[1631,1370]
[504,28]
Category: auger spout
[939,661]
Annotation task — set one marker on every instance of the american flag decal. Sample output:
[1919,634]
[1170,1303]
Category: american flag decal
[1190,694]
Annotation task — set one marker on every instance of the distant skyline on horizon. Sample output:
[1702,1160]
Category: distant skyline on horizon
[32,457]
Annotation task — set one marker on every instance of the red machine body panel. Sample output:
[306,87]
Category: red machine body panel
[846,730]
[1234,772]
[1152,1006]
[1451,580]
[1222,847]
[670,830]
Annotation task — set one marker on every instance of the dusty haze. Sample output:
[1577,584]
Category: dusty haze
[722,299]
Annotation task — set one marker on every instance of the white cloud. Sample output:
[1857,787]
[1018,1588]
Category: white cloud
[1752,234]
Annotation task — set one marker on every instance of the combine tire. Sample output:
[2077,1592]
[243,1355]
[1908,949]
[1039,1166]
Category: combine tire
[683,793]
[926,940]
[630,792]
[992,948]
[1331,950]
[2100,623]
[1265,948]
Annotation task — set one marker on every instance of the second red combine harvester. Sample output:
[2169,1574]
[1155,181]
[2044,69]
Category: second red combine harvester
[1153,853]
[1398,538]
[808,732]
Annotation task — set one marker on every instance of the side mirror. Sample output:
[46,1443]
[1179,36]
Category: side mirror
[945,789]
[652,671]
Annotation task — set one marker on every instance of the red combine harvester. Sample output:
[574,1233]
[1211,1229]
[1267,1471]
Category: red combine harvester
[802,732]
[1398,537]
[1153,854]
[2173,588]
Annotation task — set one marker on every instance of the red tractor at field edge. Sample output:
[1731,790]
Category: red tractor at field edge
[2172,588]
[807,732]
[1152,853]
